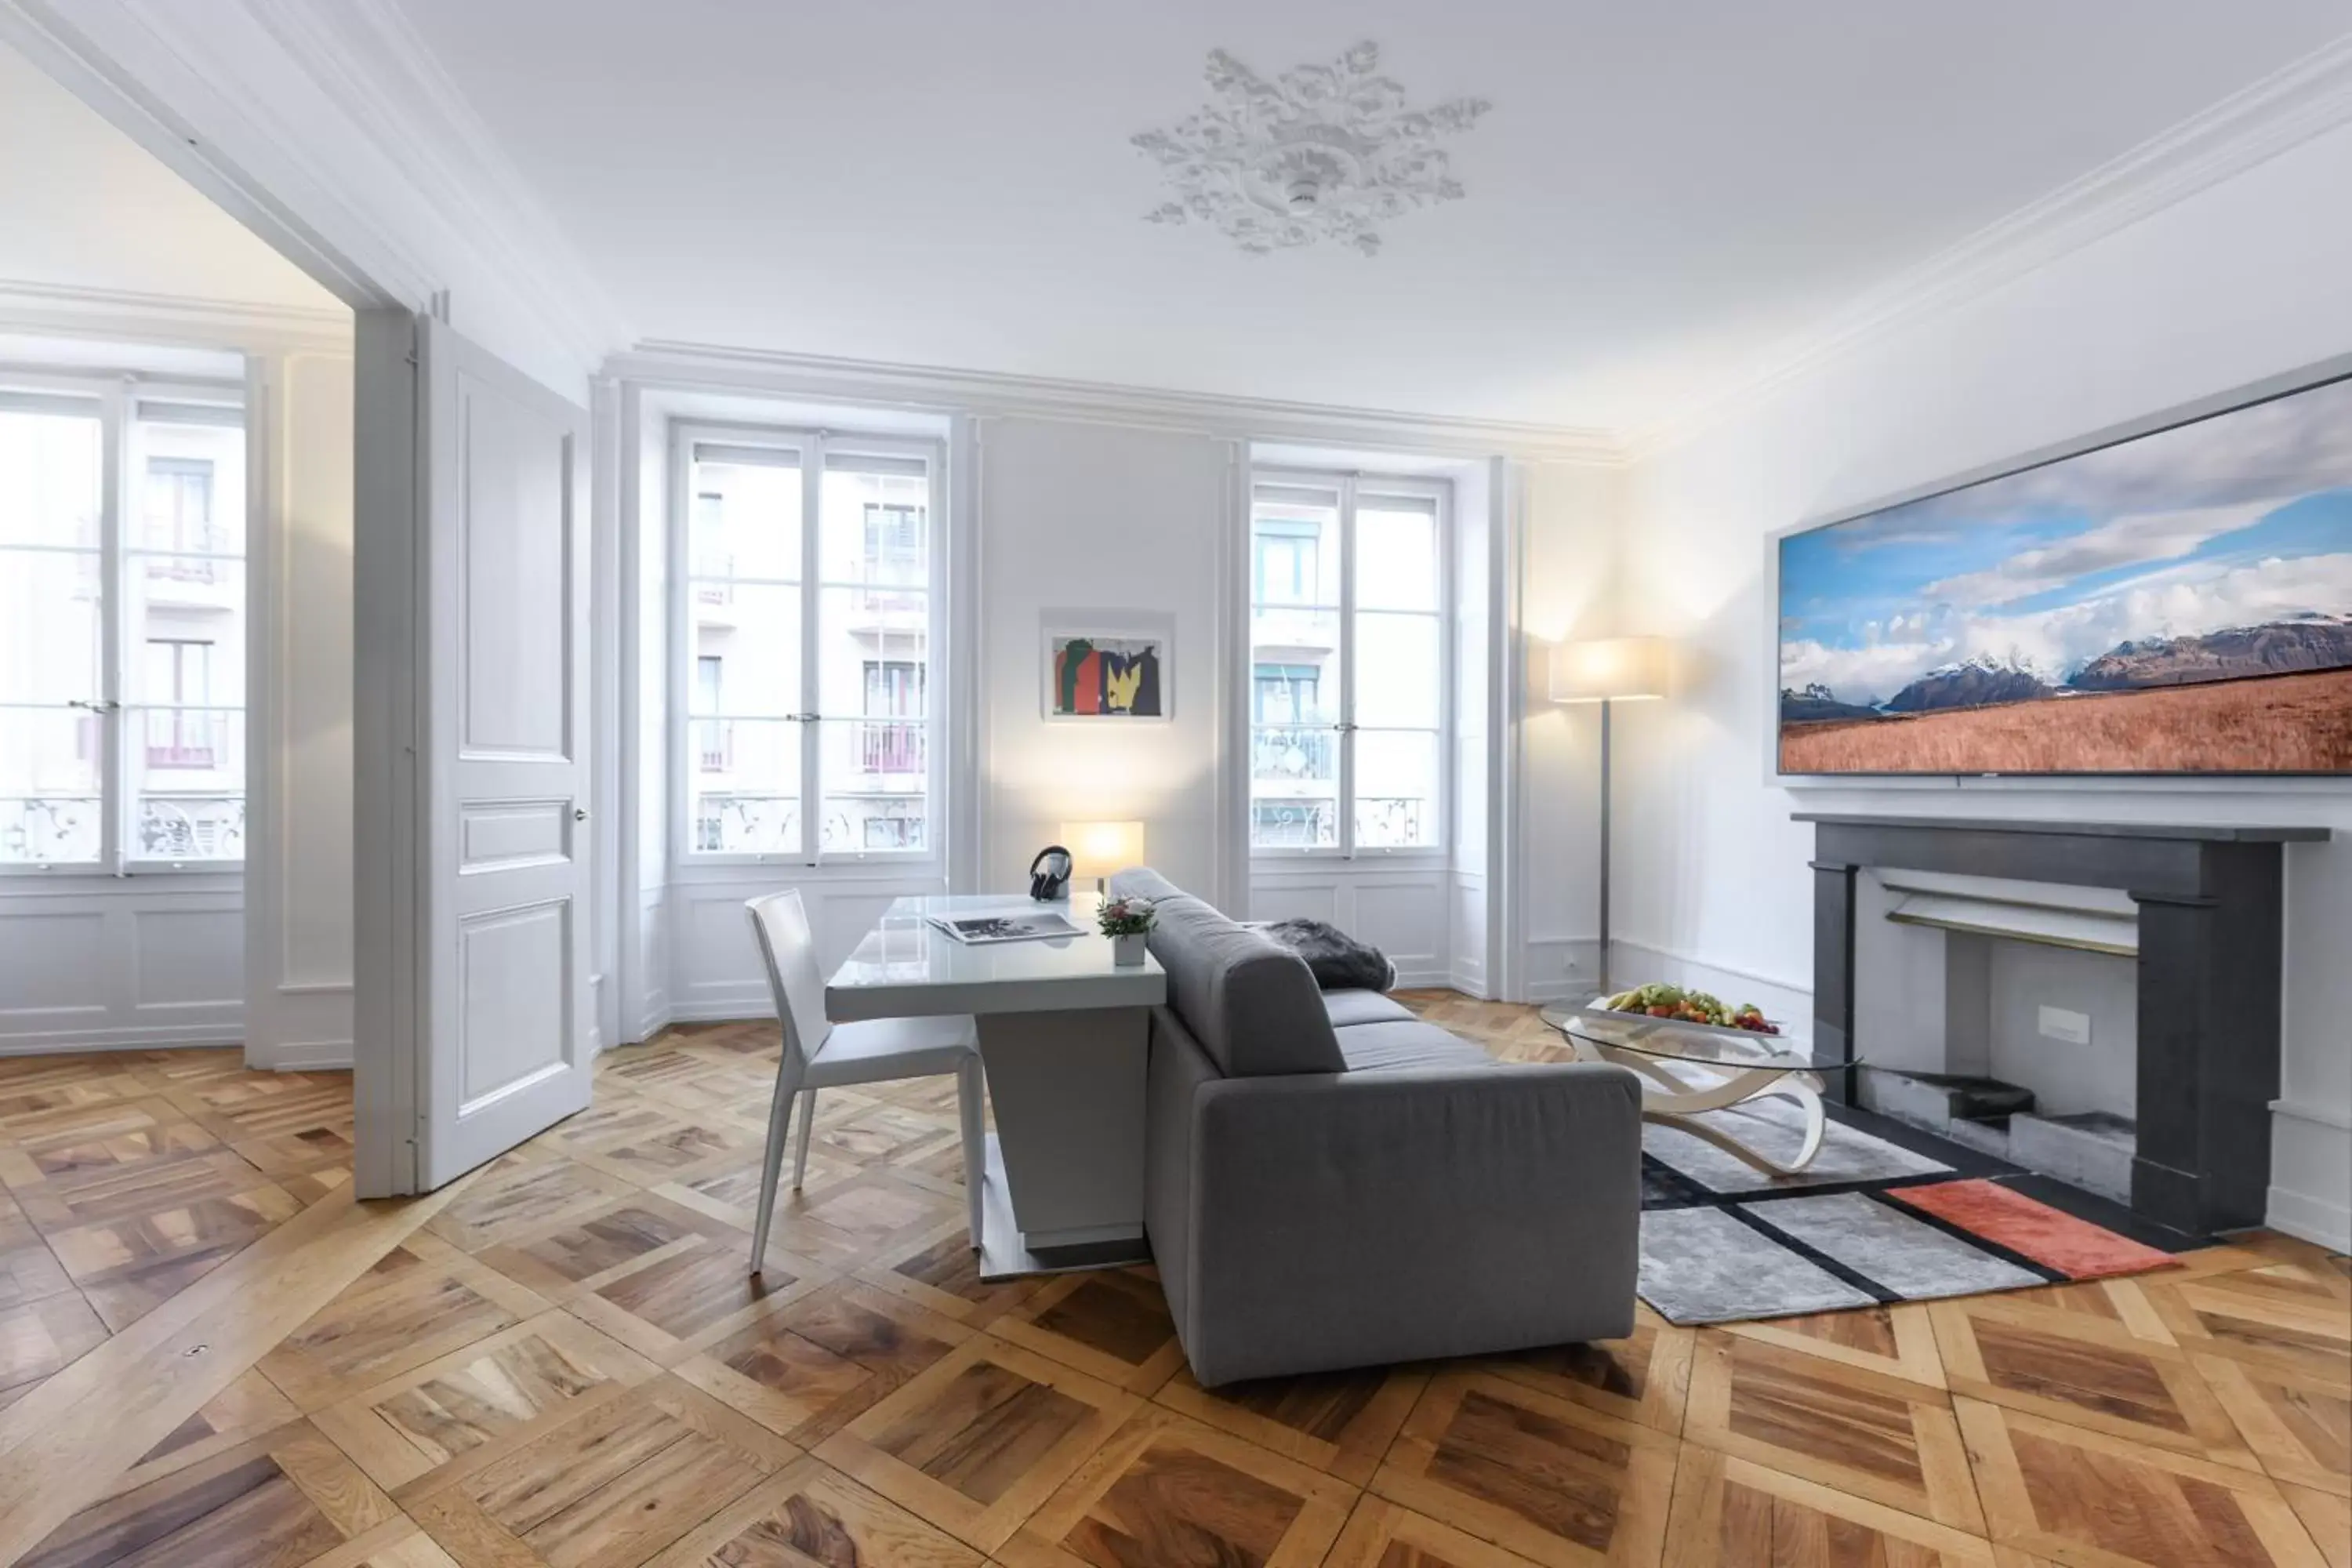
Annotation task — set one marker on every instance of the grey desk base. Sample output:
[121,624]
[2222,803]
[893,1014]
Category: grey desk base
[1065,1187]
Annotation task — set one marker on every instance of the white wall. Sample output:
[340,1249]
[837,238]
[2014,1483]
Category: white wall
[1049,513]
[298,913]
[1569,573]
[1100,516]
[2245,280]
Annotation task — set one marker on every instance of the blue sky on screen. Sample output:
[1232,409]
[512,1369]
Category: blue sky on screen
[2235,521]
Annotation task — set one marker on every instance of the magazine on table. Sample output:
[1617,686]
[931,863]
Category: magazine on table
[1006,925]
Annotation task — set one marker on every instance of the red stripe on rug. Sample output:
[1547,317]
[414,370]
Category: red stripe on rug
[2005,1217]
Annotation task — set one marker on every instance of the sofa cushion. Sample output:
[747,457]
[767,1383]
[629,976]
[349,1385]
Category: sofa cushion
[1349,1009]
[1376,1048]
[1250,1002]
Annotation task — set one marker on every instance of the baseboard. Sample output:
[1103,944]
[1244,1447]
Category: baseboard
[311,1056]
[139,1038]
[1470,982]
[719,1011]
[2311,1219]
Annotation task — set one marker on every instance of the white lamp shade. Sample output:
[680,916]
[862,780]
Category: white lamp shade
[1609,669]
[1099,848]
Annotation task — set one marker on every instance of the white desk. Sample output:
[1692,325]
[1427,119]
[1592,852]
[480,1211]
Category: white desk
[1063,1039]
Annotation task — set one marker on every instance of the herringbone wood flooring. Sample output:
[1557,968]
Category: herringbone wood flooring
[568,1366]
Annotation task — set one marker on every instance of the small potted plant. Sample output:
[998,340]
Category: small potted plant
[1127,921]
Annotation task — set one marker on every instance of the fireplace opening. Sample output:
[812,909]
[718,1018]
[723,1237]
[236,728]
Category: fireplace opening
[2002,1014]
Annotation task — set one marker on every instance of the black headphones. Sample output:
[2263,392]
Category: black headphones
[1049,874]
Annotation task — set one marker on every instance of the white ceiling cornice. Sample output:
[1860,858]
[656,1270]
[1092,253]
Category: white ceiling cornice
[372,61]
[121,316]
[819,378]
[2305,99]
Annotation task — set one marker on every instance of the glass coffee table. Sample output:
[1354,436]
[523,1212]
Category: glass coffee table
[1689,1069]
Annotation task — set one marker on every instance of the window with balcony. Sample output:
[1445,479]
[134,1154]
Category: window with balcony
[121,625]
[1348,638]
[807,614]
[180,731]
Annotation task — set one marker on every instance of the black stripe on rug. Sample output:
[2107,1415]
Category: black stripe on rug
[1816,1256]
[1983,1244]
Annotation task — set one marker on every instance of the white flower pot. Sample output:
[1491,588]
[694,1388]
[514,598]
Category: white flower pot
[1127,952]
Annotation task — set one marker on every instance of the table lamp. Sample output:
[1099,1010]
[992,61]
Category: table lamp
[1099,848]
[1608,671]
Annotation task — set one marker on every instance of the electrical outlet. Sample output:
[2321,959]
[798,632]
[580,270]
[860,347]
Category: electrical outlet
[2059,1024]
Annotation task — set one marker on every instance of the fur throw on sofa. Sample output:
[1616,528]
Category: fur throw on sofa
[1339,962]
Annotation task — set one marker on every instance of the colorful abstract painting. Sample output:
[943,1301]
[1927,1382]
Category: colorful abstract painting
[1105,677]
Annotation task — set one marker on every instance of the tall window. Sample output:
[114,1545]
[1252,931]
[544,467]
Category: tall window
[816,743]
[1347,710]
[121,627]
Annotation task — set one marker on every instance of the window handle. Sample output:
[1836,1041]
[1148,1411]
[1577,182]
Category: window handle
[102,705]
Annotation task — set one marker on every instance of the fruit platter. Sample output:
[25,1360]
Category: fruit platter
[1677,1005]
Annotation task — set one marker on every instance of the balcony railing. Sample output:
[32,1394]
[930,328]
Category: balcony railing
[198,562]
[1389,821]
[182,741]
[708,563]
[209,827]
[747,824]
[1293,755]
[715,746]
[891,747]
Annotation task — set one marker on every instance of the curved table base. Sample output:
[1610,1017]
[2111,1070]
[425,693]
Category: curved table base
[1673,1101]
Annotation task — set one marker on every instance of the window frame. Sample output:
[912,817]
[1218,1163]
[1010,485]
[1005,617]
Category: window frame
[118,397]
[1351,486]
[812,446]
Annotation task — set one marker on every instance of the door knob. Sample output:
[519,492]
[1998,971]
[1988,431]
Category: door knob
[579,813]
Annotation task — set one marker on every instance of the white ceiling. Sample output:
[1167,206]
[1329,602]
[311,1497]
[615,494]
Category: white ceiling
[1661,194]
[89,208]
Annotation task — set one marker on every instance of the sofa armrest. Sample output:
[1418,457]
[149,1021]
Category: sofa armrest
[1347,1219]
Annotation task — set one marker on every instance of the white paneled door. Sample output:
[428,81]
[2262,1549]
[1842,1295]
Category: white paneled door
[495,1046]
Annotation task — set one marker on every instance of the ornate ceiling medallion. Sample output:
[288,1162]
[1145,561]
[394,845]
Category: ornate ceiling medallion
[1320,152]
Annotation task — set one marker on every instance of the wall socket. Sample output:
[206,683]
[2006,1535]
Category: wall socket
[2059,1024]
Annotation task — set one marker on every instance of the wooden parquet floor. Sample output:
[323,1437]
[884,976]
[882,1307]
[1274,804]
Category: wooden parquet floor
[567,1367]
[125,1177]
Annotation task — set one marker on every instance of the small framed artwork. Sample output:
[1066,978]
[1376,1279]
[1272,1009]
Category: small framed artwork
[1116,666]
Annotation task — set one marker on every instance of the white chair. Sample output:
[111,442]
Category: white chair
[818,1055]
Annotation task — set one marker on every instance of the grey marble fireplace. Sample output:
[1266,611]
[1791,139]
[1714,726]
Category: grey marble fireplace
[2205,917]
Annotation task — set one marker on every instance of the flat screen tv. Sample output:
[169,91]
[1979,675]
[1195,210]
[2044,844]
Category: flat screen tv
[2177,603]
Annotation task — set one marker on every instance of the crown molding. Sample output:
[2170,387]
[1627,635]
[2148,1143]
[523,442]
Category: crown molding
[2304,99]
[373,63]
[178,321]
[933,389]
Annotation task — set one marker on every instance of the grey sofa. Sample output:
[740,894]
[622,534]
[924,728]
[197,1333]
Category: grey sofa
[1331,1183]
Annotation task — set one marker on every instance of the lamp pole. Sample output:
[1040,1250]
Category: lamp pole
[1604,846]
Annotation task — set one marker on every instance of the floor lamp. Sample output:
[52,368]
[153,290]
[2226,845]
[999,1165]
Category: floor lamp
[1608,671]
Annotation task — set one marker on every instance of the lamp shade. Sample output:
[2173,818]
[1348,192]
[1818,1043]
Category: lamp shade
[1099,848]
[1609,669]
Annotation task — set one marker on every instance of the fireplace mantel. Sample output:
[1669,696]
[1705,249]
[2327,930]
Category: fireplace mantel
[2210,922]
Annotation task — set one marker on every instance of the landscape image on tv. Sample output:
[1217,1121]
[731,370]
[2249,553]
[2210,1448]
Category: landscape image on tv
[2177,603]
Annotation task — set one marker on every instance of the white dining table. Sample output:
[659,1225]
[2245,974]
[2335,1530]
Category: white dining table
[1063,1036]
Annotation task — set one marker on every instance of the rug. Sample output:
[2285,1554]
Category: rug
[1723,1242]
[1776,1129]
